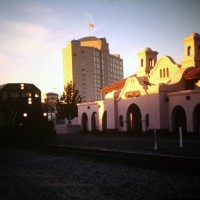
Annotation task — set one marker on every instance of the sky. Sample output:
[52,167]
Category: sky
[34,32]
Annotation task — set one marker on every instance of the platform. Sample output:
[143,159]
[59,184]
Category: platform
[145,143]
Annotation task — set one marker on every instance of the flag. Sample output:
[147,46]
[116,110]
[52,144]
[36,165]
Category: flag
[90,25]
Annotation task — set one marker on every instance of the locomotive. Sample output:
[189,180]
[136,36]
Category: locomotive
[22,115]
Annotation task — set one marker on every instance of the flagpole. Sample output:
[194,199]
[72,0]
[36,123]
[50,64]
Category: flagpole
[90,26]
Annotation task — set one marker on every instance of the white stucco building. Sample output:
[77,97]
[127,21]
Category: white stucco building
[161,95]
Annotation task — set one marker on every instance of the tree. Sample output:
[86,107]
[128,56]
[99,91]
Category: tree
[67,104]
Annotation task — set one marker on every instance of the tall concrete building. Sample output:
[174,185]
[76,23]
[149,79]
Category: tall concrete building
[88,63]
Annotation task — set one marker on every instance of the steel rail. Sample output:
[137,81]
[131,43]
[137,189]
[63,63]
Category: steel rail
[147,160]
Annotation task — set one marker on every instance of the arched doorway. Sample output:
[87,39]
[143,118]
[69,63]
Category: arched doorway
[104,121]
[179,119]
[196,119]
[133,117]
[84,122]
[94,121]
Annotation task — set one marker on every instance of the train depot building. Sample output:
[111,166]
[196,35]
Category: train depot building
[161,95]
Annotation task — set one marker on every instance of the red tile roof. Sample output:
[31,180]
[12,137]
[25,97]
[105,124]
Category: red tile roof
[194,74]
[114,86]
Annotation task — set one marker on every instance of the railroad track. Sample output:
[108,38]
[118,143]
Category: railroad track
[147,160]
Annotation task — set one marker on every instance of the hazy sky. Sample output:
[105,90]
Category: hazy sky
[33,33]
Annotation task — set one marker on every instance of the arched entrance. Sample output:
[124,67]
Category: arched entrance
[196,119]
[84,122]
[94,121]
[133,117]
[104,121]
[179,119]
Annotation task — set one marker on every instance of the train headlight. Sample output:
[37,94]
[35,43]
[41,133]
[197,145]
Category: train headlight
[29,100]
[25,115]
[22,86]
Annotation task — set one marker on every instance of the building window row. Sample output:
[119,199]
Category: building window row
[97,71]
[115,63]
[97,65]
[111,71]
[114,60]
[114,70]
[117,73]
[97,81]
[97,60]
[151,62]
[97,86]
[164,72]
[96,53]
[115,66]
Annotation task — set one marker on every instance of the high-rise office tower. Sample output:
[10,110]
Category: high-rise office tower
[88,64]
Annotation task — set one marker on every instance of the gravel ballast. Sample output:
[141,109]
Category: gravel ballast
[39,175]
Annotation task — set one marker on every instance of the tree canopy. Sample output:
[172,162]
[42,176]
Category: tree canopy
[67,104]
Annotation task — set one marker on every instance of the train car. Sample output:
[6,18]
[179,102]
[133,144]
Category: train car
[21,110]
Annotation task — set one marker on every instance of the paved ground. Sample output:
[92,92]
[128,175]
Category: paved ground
[166,144]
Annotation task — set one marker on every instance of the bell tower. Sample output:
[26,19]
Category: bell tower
[147,60]
[191,51]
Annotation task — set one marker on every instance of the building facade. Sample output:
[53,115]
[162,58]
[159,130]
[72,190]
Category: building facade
[161,95]
[51,99]
[88,63]
[50,105]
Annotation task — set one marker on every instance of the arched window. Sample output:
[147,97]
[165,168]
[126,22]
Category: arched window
[167,71]
[160,73]
[189,51]
[150,62]
[142,62]
[163,73]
